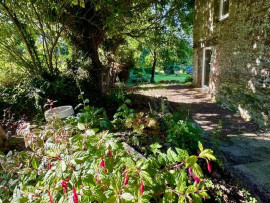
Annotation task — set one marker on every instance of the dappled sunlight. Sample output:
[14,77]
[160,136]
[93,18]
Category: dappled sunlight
[196,103]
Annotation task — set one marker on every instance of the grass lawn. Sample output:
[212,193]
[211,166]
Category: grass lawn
[161,76]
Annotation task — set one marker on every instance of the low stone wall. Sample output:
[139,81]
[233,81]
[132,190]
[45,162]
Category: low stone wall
[240,64]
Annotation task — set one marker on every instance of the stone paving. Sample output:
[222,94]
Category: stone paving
[245,148]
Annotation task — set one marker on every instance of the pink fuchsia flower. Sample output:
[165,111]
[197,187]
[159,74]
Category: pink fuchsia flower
[190,171]
[102,162]
[142,187]
[208,166]
[75,195]
[197,179]
[64,185]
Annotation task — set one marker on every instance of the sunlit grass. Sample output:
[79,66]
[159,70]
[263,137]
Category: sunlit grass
[180,77]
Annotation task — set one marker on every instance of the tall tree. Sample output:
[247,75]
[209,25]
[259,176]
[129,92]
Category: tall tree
[172,26]
[30,35]
[36,26]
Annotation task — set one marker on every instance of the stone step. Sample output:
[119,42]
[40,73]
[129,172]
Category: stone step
[256,176]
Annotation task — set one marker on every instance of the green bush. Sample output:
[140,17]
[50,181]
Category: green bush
[28,97]
[189,78]
[75,160]
[182,134]
[137,77]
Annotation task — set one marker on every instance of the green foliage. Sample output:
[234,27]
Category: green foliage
[182,134]
[72,157]
[31,40]
[30,95]
[137,76]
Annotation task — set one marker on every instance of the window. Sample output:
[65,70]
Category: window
[224,9]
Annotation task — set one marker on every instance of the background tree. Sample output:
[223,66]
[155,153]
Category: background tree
[34,33]
[29,35]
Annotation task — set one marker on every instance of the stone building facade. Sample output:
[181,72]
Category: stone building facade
[232,54]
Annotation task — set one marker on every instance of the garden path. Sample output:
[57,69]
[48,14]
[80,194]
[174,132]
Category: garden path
[244,148]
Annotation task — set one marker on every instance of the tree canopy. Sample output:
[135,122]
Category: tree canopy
[39,37]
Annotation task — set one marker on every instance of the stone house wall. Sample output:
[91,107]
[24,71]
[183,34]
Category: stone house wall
[240,61]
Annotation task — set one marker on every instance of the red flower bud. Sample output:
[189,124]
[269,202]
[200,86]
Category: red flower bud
[102,190]
[144,120]
[64,185]
[75,195]
[110,154]
[142,187]
[126,179]
[208,166]
[67,179]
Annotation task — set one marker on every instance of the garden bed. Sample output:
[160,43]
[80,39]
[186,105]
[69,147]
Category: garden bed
[84,155]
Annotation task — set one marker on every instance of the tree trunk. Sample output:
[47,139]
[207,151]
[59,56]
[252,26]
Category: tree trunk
[152,80]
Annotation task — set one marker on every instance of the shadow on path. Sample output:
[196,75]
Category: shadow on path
[196,103]
[246,151]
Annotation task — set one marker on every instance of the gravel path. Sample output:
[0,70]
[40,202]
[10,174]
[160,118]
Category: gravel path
[198,104]
[245,149]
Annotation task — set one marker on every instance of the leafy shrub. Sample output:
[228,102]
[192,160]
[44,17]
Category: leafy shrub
[169,69]
[182,134]
[10,123]
[137,77]
[75,160]
[29,96]
[188,78]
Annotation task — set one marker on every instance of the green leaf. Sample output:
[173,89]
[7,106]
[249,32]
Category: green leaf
[128,101]
[77,138]
[172,156]
[88,179]
[105,123]
[80,156]
[127,196]
[90,132]
[162,159]
[207,153]
[50,177]
[200,146]
[146,177]
[197,170]
[81,126]
[78,106]
[196,198]
[155,148]
[204,195]
[86,101]
[181,187]
[191,161]
[191,189]
[35,163]
[168,196]
[182,154]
